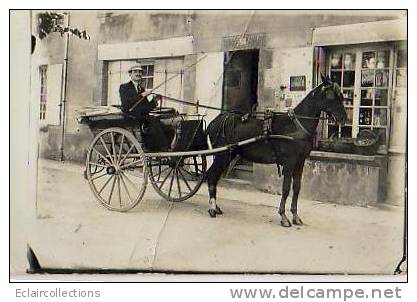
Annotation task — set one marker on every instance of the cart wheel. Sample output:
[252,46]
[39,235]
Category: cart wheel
[177,178]
[115,169]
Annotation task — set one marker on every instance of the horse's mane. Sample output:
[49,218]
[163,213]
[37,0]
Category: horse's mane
[311,94]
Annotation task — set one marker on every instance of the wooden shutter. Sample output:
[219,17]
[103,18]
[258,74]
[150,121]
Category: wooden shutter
[54,93]
[209,82]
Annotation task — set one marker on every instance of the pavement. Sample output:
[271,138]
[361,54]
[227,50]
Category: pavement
[72,231]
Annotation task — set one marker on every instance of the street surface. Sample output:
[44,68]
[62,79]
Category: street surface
[73,231]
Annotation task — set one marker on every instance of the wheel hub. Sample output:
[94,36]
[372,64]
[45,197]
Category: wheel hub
[111,170]
[173,163]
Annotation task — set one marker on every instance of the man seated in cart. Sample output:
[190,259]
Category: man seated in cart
[135,103]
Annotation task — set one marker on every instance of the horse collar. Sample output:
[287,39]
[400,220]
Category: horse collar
[294,118]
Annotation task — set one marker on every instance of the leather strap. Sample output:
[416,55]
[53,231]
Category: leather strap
[297,122]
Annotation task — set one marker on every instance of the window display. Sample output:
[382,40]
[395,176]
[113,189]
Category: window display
[365,77]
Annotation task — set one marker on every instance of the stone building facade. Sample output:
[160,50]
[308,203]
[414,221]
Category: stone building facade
[204,56]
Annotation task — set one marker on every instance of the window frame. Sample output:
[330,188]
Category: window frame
[357,88]
[145,76]
[43,94]
[119,68]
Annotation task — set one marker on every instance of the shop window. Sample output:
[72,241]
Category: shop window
[365,77]
[342,71]
[375,87]
[401,69]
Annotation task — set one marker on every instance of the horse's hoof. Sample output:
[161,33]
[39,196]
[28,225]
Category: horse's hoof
[285,223]
[218,211]
[212,213]
[297,221]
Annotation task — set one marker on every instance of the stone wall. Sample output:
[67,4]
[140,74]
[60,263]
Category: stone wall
[330,177]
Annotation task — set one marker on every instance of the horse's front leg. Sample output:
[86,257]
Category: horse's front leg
[286,185]
[295,191]
[296,186]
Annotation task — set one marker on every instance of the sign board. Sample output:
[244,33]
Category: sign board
[246,41]
[297,83]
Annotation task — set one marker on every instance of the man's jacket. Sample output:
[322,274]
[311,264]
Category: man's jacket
[129,97]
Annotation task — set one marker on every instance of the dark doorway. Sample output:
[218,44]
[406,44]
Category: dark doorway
[240,86]
[240,93]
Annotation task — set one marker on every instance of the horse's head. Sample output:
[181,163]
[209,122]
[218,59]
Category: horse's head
[332,100]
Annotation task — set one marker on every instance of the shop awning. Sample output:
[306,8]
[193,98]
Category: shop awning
[379,31]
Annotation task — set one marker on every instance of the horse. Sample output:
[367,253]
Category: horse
[288,154]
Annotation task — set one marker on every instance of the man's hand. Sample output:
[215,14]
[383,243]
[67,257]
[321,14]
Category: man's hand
[145,93]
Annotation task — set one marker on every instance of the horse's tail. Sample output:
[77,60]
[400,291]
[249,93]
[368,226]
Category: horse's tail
[214,129]
[209,144]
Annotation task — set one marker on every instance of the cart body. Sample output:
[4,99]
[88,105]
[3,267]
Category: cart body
[118,169]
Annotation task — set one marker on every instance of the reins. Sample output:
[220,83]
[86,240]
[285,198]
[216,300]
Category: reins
[167,80]
[266,115]
[290,113]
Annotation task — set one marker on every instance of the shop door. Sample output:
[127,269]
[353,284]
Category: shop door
[240,80]
[399,103]
[240,88]
[396,181]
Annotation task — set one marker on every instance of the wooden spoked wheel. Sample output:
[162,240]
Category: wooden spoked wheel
[115,169]
[177,178]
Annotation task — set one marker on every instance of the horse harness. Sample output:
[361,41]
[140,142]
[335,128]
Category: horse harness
[298,124]
[267,131]
[228,120]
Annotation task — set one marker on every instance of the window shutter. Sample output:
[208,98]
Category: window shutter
[159,76]
[114,80]
[54,93]
[169,81]
[209,82]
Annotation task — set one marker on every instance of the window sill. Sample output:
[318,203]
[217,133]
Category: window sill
[371,160]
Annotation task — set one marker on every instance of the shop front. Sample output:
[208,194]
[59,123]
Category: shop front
[363,161]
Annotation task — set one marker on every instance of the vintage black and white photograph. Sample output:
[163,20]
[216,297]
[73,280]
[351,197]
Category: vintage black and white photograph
[214,141]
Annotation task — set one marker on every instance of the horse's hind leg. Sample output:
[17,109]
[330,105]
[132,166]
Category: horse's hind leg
[213,175]
[296,186]
[286,186]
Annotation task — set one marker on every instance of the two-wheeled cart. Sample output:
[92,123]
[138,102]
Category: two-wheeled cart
[118,169]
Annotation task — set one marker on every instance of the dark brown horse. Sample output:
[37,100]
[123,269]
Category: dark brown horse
[299,124]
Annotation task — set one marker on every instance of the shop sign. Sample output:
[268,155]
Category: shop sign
[297,83]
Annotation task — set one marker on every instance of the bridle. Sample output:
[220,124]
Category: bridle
[296,117]
[298,123]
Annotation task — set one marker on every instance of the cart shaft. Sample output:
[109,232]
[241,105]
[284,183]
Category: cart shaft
[216,150]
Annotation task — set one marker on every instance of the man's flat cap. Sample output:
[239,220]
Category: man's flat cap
[135,67]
